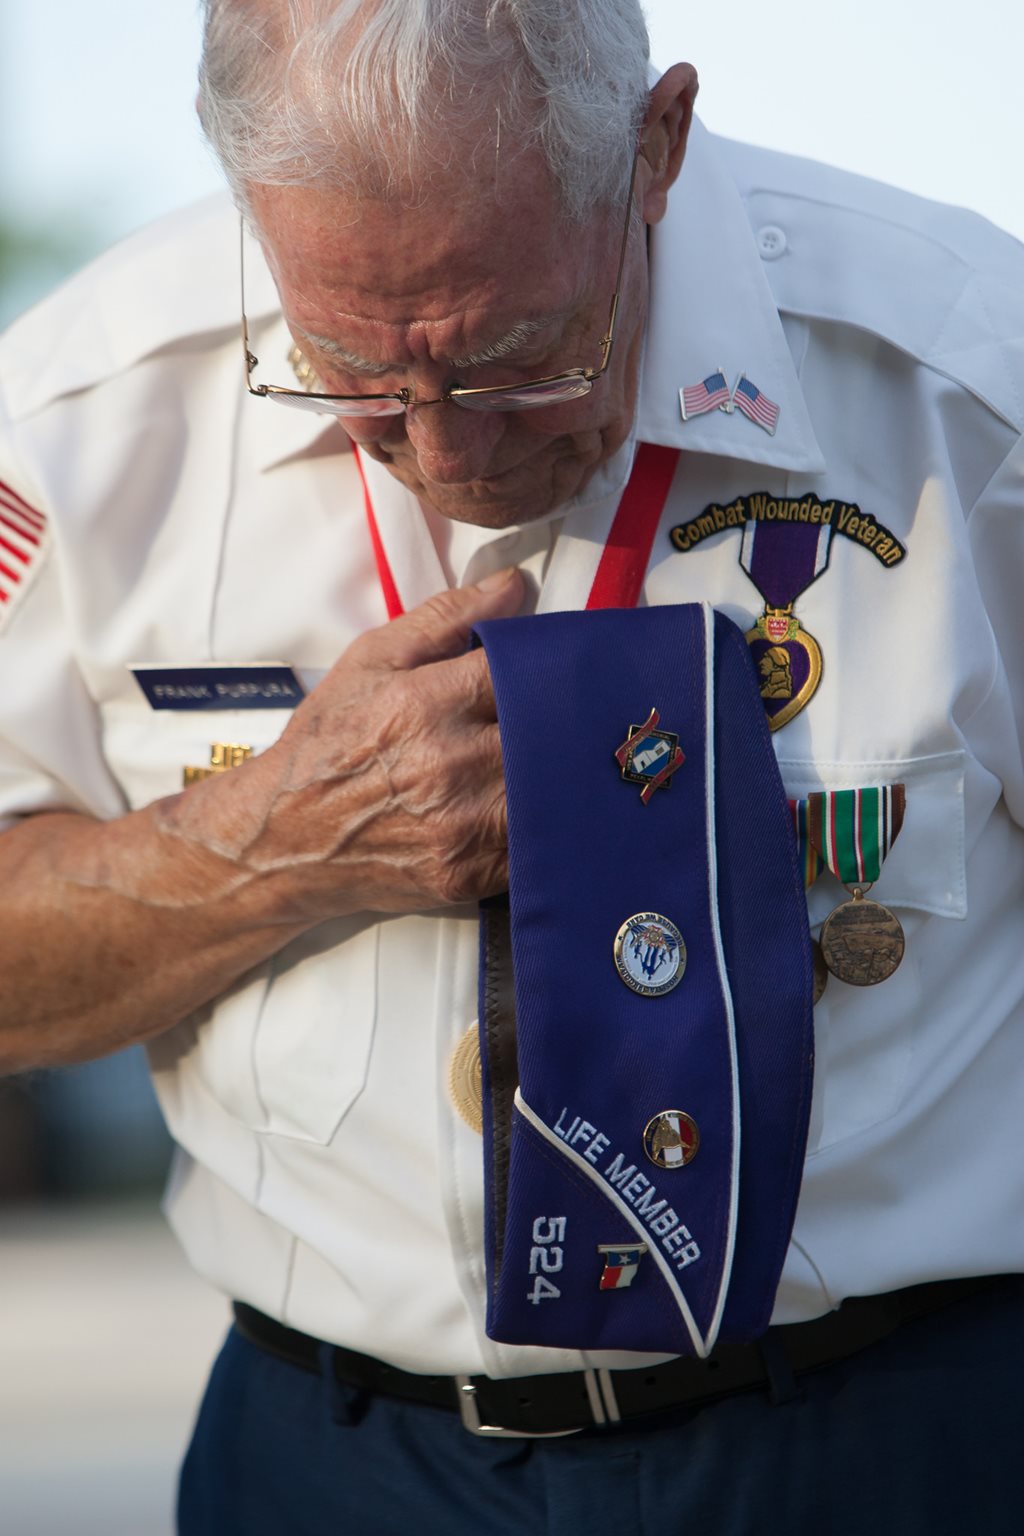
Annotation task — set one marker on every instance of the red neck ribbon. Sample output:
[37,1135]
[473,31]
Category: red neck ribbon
[624,560]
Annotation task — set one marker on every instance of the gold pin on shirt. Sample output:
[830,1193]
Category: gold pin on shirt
[465,1080]
[223,755]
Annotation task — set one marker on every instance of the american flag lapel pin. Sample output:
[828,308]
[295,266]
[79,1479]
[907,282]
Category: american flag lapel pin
[710,394]
[755,405]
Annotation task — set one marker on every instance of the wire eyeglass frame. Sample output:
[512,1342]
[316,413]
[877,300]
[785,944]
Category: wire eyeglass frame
[472,398]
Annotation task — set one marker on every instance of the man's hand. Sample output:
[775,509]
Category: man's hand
[385,792]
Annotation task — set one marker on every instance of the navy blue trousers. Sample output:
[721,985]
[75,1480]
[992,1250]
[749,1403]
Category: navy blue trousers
[920,1435]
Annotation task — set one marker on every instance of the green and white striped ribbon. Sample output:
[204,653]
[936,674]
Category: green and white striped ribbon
[853,829]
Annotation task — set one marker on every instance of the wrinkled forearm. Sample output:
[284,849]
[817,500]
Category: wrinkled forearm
[111,932]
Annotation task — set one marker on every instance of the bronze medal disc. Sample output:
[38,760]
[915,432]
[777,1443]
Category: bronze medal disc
[862,942]
[465,1081]
[820,971]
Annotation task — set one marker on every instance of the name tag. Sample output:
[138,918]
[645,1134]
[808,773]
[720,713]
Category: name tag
[255,685]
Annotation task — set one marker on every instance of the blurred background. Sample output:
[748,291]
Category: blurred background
[97,132]
[105,1336]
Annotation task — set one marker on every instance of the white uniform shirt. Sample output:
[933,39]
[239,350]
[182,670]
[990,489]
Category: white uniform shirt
[324,1176]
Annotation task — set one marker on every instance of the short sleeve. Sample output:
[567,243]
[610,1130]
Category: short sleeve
[51,754]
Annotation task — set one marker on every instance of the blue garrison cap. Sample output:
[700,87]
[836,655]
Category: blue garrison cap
[645,989]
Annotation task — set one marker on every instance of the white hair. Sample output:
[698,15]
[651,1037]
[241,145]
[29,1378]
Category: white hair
[374,96]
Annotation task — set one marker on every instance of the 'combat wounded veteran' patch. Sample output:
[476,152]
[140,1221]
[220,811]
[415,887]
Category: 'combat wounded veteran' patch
[843,517]
[24,542]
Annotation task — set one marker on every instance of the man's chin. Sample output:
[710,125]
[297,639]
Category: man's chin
[471,504]
[497,503]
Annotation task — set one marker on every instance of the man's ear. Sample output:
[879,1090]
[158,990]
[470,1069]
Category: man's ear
[663,138]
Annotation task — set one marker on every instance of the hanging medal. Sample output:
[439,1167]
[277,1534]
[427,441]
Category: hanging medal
[782,560]
[811,866]
[853,830]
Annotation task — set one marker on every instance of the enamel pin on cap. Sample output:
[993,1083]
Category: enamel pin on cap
[650,955]
[671,1138]
[649,757]
[621,1262]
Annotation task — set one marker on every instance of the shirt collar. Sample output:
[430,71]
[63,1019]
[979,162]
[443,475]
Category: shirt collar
[710,308]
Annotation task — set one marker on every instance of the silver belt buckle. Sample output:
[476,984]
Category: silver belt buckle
[470,1412]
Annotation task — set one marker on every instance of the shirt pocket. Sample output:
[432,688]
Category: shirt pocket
[285,1051]
[925,868]
[865,1036]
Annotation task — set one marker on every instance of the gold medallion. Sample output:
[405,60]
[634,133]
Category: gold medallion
[465,1080]
[820,971]
[862,942]
[788,662]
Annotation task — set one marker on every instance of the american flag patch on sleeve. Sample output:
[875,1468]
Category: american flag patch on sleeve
[24,540]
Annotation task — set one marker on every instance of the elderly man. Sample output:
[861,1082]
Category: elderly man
[800,406]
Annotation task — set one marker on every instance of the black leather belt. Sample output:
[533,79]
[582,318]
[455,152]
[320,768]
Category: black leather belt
[577,1400]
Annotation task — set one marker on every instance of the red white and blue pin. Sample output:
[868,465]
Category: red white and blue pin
[649,757]
[713,394]
[621,1262]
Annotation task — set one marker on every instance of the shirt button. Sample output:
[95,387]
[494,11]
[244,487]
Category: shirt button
[771,242]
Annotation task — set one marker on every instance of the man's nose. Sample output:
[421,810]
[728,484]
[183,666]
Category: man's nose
[453,445]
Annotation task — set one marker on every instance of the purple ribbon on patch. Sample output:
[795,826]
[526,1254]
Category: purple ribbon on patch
[783,559]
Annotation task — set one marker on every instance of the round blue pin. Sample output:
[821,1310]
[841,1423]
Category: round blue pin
[650,955]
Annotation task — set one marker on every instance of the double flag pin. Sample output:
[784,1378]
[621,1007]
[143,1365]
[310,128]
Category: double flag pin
[714,394]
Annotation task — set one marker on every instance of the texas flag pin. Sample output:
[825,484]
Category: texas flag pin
[621,1261]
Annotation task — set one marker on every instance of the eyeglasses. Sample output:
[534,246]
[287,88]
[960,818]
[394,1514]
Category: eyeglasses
[554,389]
